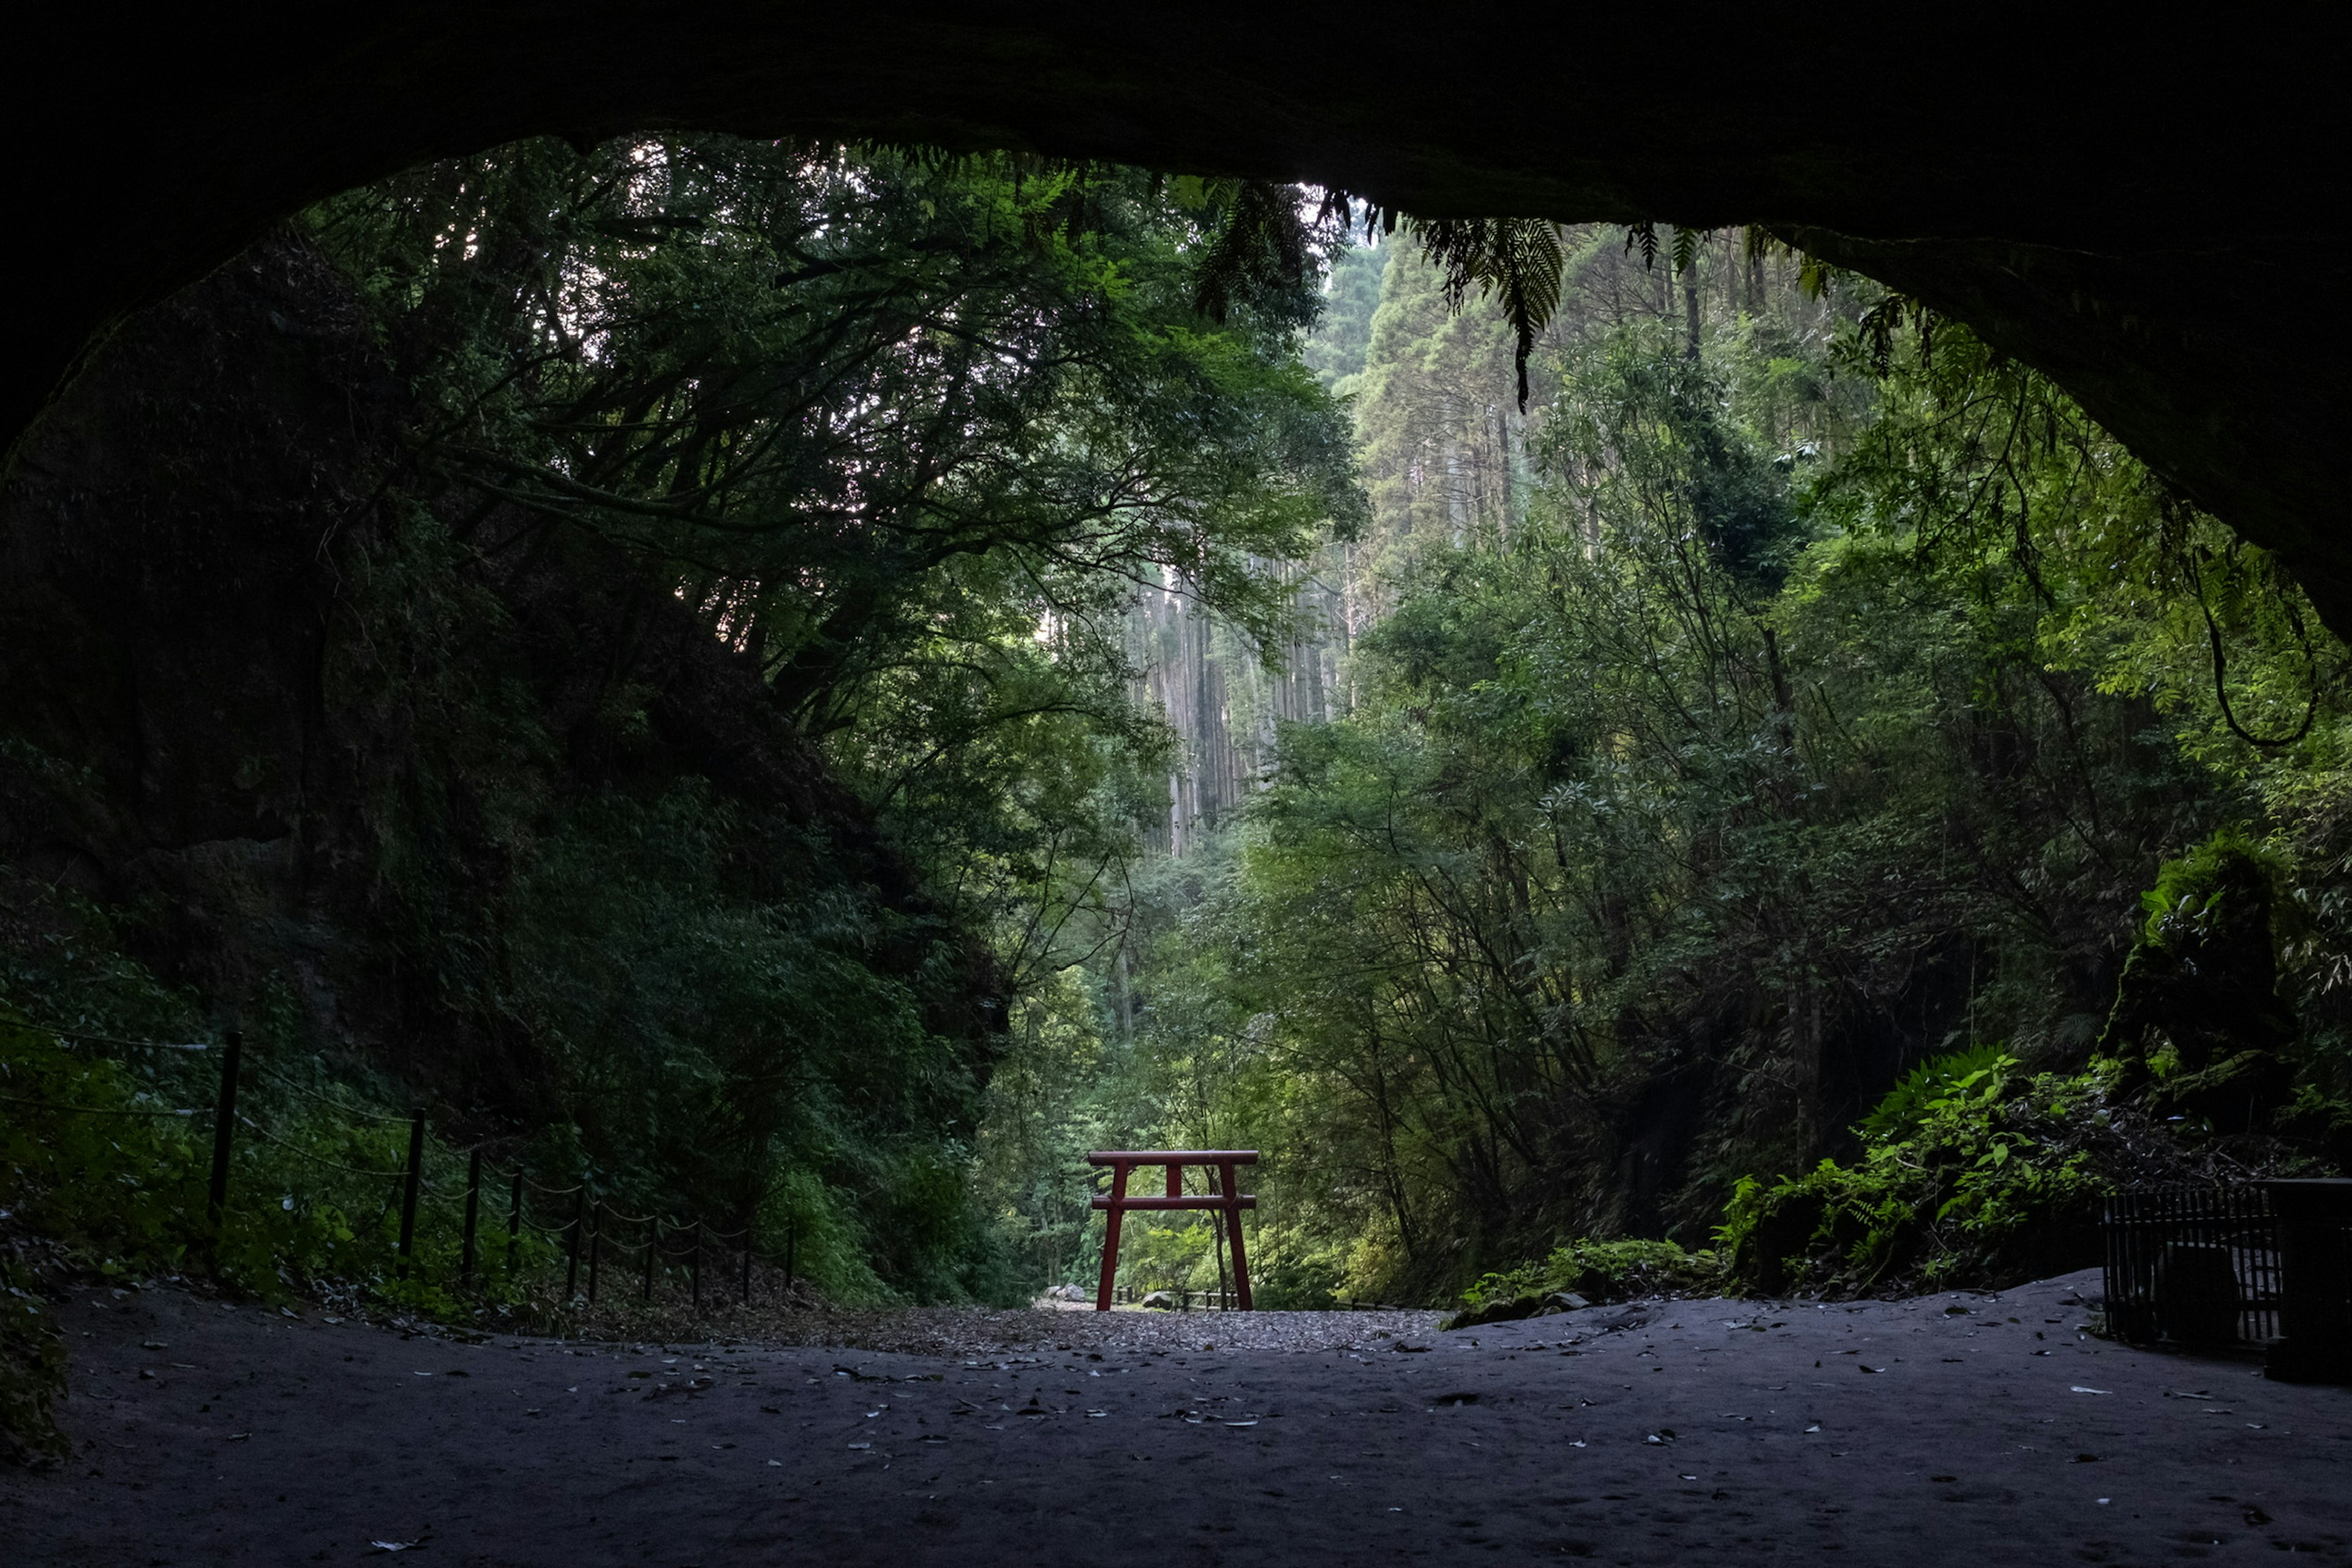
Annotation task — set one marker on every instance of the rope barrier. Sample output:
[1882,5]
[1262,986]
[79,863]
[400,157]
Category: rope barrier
[91,1110]
[595,1223]
[90,1039]
[268,1137]
[286,1082]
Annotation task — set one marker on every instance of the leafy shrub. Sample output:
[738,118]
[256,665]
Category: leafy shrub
[1305,1284]
[1991,1179]
[1600,1271]
[2199,1023]
[32,1369]
[1912,1100]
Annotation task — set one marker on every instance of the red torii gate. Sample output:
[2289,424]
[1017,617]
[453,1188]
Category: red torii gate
[1116,1203]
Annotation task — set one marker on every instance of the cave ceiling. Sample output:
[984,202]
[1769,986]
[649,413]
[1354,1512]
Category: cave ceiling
[2146,205]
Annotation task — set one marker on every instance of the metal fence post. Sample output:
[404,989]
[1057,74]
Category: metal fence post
[408,1192]
[224,1127]
[596,1245]
[514,1224]
[579,1221]
[652,1246]
[749,1214]
[473,1213]
[695,1267]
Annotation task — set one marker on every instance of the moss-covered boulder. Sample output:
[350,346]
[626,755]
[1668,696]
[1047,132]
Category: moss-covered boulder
[1586,1273]
[2199,1026]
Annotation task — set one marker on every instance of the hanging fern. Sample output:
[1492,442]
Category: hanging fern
[1685,249]
[1643,237]
[1261,245]
[1264,240]
[1519,260]
[1880,321]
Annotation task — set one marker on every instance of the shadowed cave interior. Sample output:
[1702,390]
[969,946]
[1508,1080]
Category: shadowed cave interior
[318,731]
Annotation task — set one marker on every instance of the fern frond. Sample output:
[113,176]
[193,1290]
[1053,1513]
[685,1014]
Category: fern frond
[1879,324]
[1645,235]
[1261,243]
[1685,249]
[1518,260]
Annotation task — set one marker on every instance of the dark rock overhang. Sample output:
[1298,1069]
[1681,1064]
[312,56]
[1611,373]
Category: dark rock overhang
[2145,205]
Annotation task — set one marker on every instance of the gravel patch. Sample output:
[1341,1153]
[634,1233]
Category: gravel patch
[972,1332]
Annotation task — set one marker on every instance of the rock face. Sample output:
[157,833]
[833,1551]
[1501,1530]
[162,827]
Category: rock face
[2136,206]
[170,557]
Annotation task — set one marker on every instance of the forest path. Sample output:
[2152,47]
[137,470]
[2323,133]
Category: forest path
[204,1435]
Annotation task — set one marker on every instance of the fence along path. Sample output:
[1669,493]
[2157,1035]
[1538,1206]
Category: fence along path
[652,1246]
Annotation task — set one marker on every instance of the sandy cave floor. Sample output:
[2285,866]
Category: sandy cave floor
[1886,1433]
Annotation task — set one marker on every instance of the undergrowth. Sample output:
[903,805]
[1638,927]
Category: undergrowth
[1595,1271]
[1972,1171]
[104,1175]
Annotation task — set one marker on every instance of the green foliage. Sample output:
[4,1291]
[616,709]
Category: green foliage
[1258,247]
[1993,1179]
[1601,1271]
[707,1041]
[865,411]
[32,1372]
[1677,460]
[120,1181]
[1308,1282]
[1429,406]
[2193,895]
[1518,261]
[109,1161]
[1780,704]
[1046,1112]
[1336,350]
[2198,1010]
[1923,1090]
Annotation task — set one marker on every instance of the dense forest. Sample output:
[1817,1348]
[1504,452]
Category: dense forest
[624,649]
[1798,792]
[804,688]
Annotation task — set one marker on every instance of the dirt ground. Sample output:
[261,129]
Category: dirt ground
[1980,1429]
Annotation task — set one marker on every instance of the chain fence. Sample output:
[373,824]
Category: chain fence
[496,1224]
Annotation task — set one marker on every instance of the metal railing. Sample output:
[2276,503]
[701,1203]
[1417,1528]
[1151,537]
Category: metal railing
[2197,1266]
